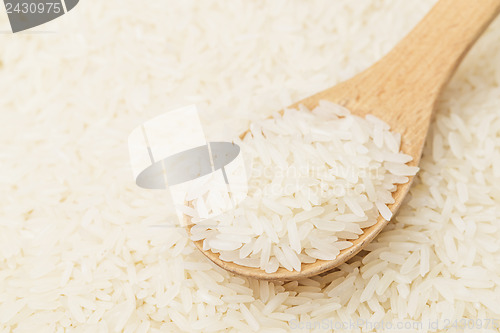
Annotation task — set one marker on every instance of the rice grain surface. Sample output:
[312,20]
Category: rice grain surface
[82,248]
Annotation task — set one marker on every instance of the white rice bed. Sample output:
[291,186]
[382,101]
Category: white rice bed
[78,252]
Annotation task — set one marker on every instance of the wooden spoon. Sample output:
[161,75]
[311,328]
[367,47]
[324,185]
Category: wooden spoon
[401,89]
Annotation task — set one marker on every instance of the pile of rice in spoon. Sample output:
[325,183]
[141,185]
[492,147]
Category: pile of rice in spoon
[316,180]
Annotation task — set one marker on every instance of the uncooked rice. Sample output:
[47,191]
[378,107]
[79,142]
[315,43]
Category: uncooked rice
[84,249]
[316,179]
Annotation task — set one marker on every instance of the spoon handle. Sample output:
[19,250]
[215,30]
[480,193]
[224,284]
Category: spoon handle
[403,86]
[423,62]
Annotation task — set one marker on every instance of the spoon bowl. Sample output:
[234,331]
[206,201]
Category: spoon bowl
[401,89]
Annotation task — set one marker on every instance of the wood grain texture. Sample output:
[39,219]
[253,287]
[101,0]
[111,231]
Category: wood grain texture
[401,89]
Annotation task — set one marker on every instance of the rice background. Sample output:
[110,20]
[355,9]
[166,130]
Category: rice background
[77,248]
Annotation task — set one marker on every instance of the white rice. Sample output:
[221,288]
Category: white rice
[77,233]
[302,170]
